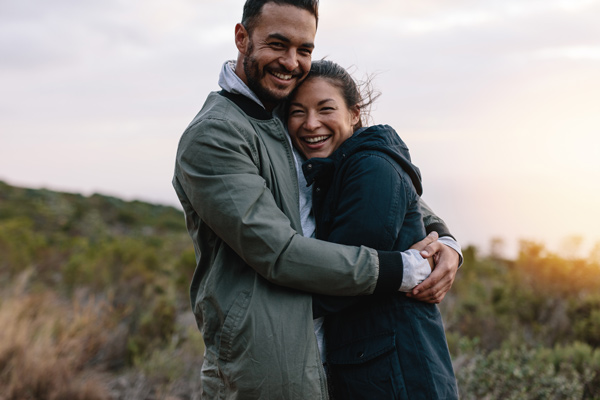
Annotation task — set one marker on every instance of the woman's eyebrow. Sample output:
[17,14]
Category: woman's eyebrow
[324,101]
[297,104]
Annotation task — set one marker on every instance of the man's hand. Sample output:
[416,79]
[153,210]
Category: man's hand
[434,288]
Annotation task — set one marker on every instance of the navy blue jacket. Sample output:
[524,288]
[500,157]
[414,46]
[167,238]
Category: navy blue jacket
[383,346]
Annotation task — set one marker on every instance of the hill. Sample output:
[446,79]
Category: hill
[94,295]
[94,305]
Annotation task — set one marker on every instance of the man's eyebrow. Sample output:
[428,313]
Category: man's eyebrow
[285,39]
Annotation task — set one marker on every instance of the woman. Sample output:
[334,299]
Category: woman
[366,192]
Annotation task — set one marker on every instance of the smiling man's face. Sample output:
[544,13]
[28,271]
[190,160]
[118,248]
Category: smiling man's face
[276,56]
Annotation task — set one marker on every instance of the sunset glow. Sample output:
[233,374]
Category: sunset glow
[498,101]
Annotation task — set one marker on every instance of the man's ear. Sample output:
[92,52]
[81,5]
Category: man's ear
[241,38]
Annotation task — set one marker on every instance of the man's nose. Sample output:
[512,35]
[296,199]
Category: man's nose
[289,60]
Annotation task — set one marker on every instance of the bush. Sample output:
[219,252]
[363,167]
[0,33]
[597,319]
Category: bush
[48,348]
[520,372]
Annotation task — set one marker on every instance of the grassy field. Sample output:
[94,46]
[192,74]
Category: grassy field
[94,305]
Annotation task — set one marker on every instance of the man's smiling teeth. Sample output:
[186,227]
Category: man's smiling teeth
[285,77]
[315,139]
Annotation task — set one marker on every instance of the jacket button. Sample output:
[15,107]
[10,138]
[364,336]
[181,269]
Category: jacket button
[318,190]
[360,354]
[309,166]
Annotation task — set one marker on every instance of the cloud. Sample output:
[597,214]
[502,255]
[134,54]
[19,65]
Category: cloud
[95,94]
[571,53]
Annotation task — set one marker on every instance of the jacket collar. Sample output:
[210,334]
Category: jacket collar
[230,82]
[248,106]
[238,92]
[323,168]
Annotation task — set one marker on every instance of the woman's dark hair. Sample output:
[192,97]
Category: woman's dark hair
[253,8]
[360,95]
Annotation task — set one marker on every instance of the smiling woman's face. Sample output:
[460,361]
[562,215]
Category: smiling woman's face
[319,120]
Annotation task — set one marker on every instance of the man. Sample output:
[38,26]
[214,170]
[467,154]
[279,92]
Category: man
[235,176]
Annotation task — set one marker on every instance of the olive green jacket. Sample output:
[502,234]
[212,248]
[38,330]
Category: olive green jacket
[236,180]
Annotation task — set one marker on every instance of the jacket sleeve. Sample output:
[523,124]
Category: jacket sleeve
[217,167]
[373,201]
[433,222]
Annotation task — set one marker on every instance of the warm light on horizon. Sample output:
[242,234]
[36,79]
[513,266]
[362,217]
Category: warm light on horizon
[496,100]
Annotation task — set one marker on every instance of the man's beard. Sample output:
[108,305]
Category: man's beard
[253,77]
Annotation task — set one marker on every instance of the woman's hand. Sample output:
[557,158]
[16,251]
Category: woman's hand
[445,264]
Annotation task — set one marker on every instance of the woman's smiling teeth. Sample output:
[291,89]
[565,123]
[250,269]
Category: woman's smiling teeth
[285,77]
[315,139]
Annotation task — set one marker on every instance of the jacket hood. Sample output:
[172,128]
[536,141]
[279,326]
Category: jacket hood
[382,138]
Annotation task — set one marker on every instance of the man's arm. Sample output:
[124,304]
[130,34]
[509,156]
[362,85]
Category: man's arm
[371,210]
[218,169]
[447,256]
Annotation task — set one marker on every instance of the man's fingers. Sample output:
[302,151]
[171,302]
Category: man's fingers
[434,288]
[438,283]
[431,238]
[431,249]
[434,294]
[431,281]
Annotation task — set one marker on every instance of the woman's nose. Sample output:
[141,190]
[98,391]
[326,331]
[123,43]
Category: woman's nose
[312,122]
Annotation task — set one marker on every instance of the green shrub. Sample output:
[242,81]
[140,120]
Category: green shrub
[518,372]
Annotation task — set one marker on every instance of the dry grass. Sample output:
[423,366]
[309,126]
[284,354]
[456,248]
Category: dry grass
[48,348]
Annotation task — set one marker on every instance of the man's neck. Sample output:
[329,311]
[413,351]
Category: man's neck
[231,82]
[239,71]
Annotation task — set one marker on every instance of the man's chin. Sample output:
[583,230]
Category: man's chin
[275,96]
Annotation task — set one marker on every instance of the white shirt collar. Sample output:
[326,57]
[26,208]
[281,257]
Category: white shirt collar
[229,81]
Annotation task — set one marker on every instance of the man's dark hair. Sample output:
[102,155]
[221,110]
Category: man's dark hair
[253,8]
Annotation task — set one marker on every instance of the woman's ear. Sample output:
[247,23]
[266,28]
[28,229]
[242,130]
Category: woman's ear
[241,38]
[355,115]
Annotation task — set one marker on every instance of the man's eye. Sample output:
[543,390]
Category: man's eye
[277,45]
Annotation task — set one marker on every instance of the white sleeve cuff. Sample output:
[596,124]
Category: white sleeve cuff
[416,269]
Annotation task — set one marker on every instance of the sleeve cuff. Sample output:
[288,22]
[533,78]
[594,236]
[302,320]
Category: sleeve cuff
[391,271]
[440,228]
[416,269]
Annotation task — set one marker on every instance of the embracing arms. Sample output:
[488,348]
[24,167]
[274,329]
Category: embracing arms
[223,173]
[447,259]
[375,204]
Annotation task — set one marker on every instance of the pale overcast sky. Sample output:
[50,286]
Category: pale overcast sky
[498,100]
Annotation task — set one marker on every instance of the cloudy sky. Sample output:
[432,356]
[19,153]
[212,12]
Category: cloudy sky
[498,100]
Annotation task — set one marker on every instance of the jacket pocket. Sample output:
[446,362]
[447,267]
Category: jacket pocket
[231,326]
[366,369]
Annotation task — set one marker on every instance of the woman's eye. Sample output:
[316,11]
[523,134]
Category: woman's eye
[295,112]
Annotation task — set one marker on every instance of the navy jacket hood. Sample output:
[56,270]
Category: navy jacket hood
[381,138]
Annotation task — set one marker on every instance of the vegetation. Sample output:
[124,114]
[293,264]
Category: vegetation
[525,329]
[93,305]
[93,298]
